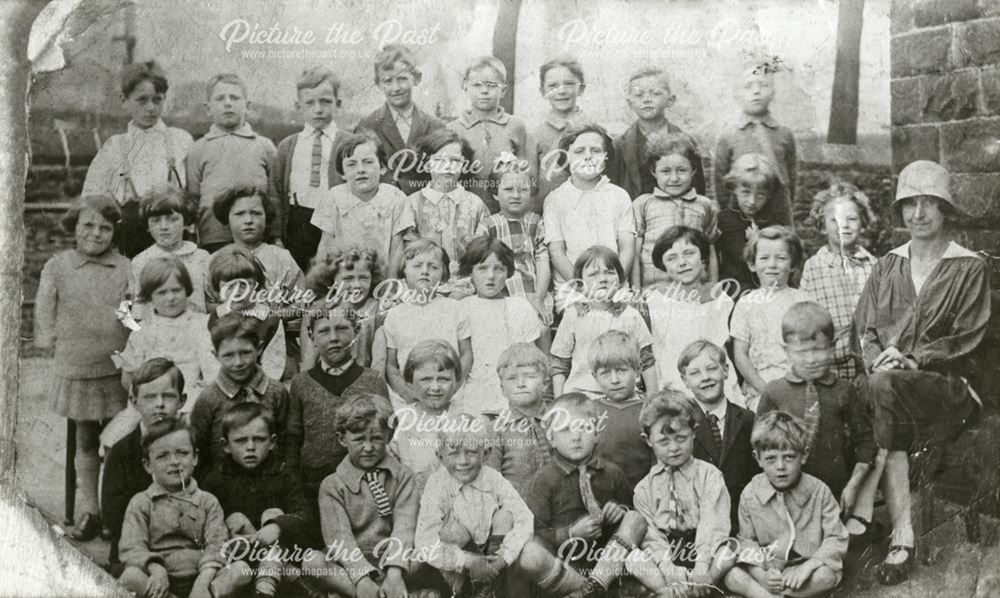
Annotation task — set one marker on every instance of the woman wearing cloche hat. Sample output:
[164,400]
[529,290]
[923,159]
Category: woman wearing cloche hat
[921,315]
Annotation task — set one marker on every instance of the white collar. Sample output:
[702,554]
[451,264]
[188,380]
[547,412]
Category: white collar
[954,250]
[434,196]
[329,130]
[718,411]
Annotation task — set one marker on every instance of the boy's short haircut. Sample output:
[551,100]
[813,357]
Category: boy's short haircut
[321,310]
[678,233]
[347,147]
[484,62]
[158,271]
[776,232]
[434,352]
[572,133]
[231,78]
[164,202]
[693,350]
[567,407]
[779,430]
[651,71]
[224,202]
[322,275]
[234,325]
[666,144]
[465,429]
[313,77]
[671,404]
[807,321]
[241,414]
[387,58]
[358,412]
[155,368]
[137,72]
[102,204]
[231,263]
[566,61]
[523,355]
[424,245]
[433,142]
[840,192]
[480,249]
[614,348]
[166,427]
[602,255]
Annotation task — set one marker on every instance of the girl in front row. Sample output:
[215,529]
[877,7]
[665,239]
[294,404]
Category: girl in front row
[586,317]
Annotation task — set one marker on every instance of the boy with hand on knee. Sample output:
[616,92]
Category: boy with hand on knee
[791,539]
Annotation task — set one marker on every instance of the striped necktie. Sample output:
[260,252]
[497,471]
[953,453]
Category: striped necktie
[713,426]
[317,159]
[378,492]
[811,417]
[587,493]
[673,503]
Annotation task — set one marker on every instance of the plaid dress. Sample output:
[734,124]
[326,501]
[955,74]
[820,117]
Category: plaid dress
[526,237]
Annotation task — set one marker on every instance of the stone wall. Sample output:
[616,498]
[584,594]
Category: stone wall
[946,103]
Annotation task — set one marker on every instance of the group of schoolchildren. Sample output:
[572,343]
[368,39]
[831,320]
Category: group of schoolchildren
[467,401]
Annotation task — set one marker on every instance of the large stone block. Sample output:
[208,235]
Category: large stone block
[928,13]
[920,52]
[908,100]
[920,142]
[978,195]
[954,96]
[971,145]
[901,16]
[991,89]
[978,42]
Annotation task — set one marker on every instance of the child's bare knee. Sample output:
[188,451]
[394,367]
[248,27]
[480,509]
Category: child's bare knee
[534,559]
[270,515]
[134,580]
[632,528]
[503,522]
[455,533]
[824,578]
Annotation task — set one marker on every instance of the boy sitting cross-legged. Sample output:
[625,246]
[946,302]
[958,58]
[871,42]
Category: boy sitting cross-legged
[263,499]
[174,532]
[368,507]
[581,504]
[791,540]
[685,504]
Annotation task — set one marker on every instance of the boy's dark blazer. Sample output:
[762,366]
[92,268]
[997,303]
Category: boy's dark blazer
[736,458]
[124,477]
[383,125]
[625,170]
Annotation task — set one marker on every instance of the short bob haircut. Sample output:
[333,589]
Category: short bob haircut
[754,170]
[807,321]
[232,262]
[360,411]
[436,140]
[137,72]
[102,204]
[348,146]
[675,406]
[567,407]
[234,325]
[840,192]
[391,54]
[224,201]
[421,246]
[680,233]
[433,352]
[779,430]
[313,77]
[571,135]
[613,349]
[523,355]
[565,61]
[241,414]
[500,169]
[158,271]
[668,144]
[230,78]
[777,232]
[698,347]
[480,249]
[486,62]
[602,255]
[163,428]
[155,368]
[164,202]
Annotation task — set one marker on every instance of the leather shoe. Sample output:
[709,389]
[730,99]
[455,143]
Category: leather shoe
[87,528]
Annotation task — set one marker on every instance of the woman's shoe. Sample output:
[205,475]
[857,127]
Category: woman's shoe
[890,574]
[88,528]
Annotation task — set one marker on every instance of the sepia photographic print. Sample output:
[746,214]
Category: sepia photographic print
[500,298]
